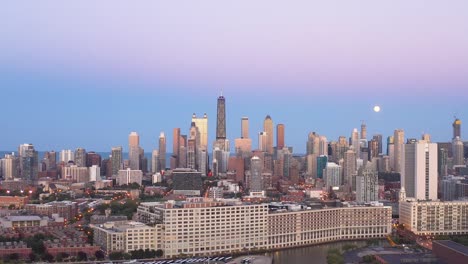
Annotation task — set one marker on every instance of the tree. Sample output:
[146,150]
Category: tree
[100,255]
[48,257]
[118,255]
[82,256]
[11,206]
[32,257]
[13,257]
[159,253]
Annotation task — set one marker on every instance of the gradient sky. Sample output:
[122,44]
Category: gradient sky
[86,73]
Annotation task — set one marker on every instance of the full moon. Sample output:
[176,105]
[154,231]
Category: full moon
[376,108]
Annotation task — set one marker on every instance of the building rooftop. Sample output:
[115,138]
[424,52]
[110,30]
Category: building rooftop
[23,218]
[453,245]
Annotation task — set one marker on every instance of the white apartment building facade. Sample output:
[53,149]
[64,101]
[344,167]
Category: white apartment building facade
[125,236]
[434,217]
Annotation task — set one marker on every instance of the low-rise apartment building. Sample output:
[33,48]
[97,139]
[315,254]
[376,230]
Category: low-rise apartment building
[206,227]
[298,227]
[124,236]
[434,217]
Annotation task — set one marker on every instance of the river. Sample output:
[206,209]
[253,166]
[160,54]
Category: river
[311,255]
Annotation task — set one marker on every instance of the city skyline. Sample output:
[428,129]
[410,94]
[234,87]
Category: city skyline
[310,66]
[299,145]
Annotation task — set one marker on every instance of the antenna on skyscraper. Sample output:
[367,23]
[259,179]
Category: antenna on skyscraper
[221,92]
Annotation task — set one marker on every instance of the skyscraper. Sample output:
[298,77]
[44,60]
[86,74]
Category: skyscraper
[313,143]
[378,138]
[245,127]
[268,128]
[458,152]
[367,185]
[280,136]
[10,167]
[420,171]
[202,125]
[332,175]
[263,141]
[116,160]
[256,167]
[80,157]
[221,118]
[50,159]
[155,161]
[355,142]
[29,162]
[134,151]
[456,128]
[162,151]
[350,168]
[67,155]
[175,146]
[398,141]
[363,131]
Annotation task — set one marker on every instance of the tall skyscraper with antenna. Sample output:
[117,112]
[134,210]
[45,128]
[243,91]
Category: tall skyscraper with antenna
[221,118]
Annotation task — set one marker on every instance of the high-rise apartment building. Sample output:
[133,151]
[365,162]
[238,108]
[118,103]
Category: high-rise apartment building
[134,151]
[419,177]
[268,128]
[94,173]
[93,158]
[398,142]
[129,176]
[256,181]
[162,151]
[322,162]
[67,155]
[76,174]
[116,160]
[80,157]
[263,141]
[280,136]
[201,123]
[350,168]
[313,143]
[332,175]
[28,161]
[245,127]
[10,167]
[355,142]
[367,185]
[378,138]
[50,160]
[155,161]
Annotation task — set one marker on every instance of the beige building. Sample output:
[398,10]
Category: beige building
[297,227]
[124,236]
[129,176]
[207,227]
[75,173]
[435,217]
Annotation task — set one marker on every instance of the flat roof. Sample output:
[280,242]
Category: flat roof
[23,218]
[453,245]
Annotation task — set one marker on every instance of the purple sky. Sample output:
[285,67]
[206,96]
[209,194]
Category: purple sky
[405,55]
